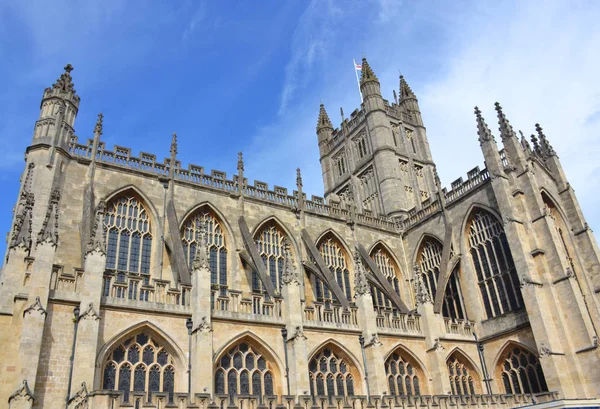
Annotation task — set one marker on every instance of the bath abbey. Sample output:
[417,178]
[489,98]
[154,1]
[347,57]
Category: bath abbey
[136,281]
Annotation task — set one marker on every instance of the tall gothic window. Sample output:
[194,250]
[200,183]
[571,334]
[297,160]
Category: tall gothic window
[430,258]
[139,364]
[215,241]
[336,259]
[330,375]
[243,370]
[561,228]
[462,378]
[390,270]
[402,375]
[270,244]
[522,372]
[496,272]
[129,238]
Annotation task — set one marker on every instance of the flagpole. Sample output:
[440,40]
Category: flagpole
[357,81]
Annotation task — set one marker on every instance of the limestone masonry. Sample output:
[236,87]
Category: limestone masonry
[135,282]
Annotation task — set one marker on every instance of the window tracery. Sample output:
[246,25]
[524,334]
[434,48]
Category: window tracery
[330,375]
[361,146]
[335,258]
[493,262]
[270,244]
[522,372]
[461,377]
[403,378]
[340,163]
[139,363]
[243,370]
[215,243]
[388,267]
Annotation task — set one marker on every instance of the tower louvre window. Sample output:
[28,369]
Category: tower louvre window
[493,262]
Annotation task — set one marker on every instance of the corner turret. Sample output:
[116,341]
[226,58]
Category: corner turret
[409,105]
[324,130]
[370,88]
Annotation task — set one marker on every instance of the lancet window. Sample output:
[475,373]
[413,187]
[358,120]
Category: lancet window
[215,242]
[430,259]
[389,269]
[461,376]
[340,163]
[139,364]
[270,244]
[361,146]
[493,262]
[522,372]
[336,259]
[243,370]
[330,375]
[402,376]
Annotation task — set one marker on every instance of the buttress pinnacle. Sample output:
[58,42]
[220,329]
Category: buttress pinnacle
[545,147]
[367,73]
[98,127]
[323,122]
[506,129]
[174,144]
[405,90]
[482,129]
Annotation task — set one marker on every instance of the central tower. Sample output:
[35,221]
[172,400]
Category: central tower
[379,158]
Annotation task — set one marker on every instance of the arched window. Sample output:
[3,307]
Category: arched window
[243,370]
[215,242]
[496,272]
[562,230]
[330,375]
[522,372]
[429,260]
[403,378]
[270,244]
[336,259]
[388,267]
[462,378]
[140,363]
[128,239]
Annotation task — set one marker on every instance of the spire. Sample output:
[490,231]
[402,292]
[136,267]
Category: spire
[323,122]
[49,231]
[361,285]
[506,129]
[201,258]
[482,129]
[367,73]
[405,90]
[98,127]
[545,147]
[65,82]
[97,240]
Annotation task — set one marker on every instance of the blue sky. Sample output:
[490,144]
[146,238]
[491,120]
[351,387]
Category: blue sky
[249,76]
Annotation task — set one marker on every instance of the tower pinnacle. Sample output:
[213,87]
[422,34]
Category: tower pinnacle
[98,127]
[367,73]
[174,144]
[405,90]
[65,81]
[323,122]
[482,129]
[506,129]
[545,147]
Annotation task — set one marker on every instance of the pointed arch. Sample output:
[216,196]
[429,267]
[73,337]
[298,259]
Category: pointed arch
[247,365]
[276,220]
[143,345]
[424,237]
[464,235]
[388,266]
[337,237]
[518,369]
[156,219]
[333,370]
[230,237]
[400,364]
[486,242]
[337,257]
[464,375]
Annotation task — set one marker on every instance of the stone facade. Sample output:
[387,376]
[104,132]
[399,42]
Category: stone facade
[134,282]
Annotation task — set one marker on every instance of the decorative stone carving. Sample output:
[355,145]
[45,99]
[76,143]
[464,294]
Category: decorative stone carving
[23,394]
[65,82]
[21,234]
[544,351]
[89,314]
[80,399]
[35,307]
[374,341]
[204,325]
[201,258]
[422,295]
[289,274]
[437,345]
[49,230]
[97,242]
[361,285]
[298,334]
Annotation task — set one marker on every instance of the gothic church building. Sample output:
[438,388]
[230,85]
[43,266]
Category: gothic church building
[135,282]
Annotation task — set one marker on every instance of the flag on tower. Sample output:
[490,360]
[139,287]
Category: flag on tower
[357,67]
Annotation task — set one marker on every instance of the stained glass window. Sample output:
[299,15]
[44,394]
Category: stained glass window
[246,363]
[131,358]
[215,241]
[403,379]
[522,372]
[328,375]
[493,262]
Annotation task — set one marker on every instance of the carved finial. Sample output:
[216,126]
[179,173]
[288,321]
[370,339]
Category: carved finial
[289,275]
[323,121]
[482,129]
[361,284]
[545,147]
[49,230]
[98,127]
[536,145]
[21,233]
[405,90]
[506,129]
[174,145]
[65,82]
[525,144]
[298,178]
[240,165]
[68,68]
[201,258]
[367,73]
[97,242]
[422,294]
